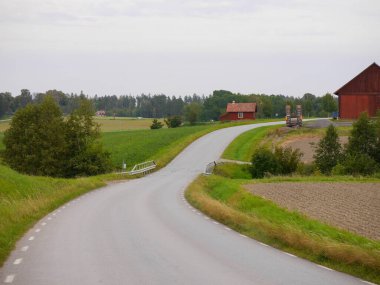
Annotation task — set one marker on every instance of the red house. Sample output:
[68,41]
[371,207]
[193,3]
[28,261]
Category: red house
[360,94]
[239,111]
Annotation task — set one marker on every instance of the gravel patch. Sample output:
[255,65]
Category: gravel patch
[351,206]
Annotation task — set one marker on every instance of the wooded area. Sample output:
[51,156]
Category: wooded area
[160,105]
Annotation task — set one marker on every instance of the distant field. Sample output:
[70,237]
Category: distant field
[109,124]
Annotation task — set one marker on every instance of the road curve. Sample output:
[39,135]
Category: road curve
[144,232]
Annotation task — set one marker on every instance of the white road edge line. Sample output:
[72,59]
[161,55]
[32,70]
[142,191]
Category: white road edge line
[31,238]
[228,229]
[9,278]
[367,282]
[324,267]
[216,223]
[25,248]
[44,224]
[17,261]
[263,244]
[289,254]
[243,236]
[37,230]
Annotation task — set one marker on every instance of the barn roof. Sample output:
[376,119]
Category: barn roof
[368,81]
[241,107]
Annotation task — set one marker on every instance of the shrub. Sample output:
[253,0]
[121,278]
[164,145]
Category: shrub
[288,159]
[355,164]
[173,121]
[328,151]
[263,161]
[156,125]
[306,169]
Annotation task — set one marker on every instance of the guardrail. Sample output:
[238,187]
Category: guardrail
[210,168]
[143,168]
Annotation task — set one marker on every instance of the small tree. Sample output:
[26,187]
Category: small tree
[156,125]
[263,161]
[192,112]
[173,122]
[363,137]
[328,151]
[288,159]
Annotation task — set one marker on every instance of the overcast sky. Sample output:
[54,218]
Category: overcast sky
[181,47]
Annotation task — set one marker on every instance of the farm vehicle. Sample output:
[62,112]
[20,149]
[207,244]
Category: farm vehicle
[293,119]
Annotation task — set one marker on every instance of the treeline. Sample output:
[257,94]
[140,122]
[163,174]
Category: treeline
[204,108]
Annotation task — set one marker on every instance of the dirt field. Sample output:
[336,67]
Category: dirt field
[306,146]
[351,206]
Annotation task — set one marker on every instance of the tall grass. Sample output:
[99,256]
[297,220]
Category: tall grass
[226,201]
[26,199]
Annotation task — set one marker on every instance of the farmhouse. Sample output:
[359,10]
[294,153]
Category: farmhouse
[239,111]
[360,94]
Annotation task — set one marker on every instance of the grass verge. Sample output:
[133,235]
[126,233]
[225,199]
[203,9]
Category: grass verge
[26,199]
[243,147]
[226,201]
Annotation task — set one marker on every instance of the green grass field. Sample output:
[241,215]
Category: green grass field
[227,202]
[243,147]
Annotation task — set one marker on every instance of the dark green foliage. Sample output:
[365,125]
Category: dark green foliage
[173,121]
[156,125]
[355,164]
[193,112]
[85,155]
[40,142]
[363,137]
[282,161]
[287,159]
[329,151]
[264,161]
[35,142]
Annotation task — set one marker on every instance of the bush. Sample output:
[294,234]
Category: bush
[40,142]
[356,164]
[173,122]
[306,169]
[288,159]
[156,125]
[263,161]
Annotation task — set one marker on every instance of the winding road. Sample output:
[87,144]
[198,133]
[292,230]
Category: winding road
[144,232]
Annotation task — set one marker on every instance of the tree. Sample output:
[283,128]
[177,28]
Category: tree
[173,121]
[35,142]
[84,153]
[329,104]
[40,142]
[192,112]
[288,159]
[328,151]
[363,137]
[263,161]
[156,125]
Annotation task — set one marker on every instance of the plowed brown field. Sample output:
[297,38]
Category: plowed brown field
[351,206]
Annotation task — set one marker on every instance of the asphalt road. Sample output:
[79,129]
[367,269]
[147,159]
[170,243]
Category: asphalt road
[144,232]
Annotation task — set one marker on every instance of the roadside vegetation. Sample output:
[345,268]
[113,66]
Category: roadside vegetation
[223,197]
[226,201]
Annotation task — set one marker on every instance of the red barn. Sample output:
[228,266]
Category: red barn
[239,111]
[360,94]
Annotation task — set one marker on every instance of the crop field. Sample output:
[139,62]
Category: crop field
[110,124]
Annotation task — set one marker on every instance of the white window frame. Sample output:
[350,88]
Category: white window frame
[240,115]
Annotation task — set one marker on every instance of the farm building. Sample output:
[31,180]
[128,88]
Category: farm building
[360,94]
[239,111]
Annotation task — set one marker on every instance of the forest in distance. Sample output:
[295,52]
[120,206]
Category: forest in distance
[161,106]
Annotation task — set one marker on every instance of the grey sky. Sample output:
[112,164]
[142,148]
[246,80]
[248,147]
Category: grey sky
[183,47]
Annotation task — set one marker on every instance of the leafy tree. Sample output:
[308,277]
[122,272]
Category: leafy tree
[355,164]
[192,112]
[35,142]
[6,100]
[288,159]
[328,151]
[329,103]
[156,125]
[263,161]
[173,121]
[363,137]
[85,154]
